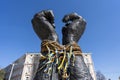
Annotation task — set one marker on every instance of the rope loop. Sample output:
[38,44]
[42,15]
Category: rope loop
[61,56]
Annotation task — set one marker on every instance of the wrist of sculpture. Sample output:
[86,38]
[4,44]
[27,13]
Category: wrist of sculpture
[50,45]
[75,48]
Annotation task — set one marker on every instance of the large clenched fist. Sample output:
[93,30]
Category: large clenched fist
[43,25]
[73,29]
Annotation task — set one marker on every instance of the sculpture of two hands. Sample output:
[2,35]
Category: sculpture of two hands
[43,25]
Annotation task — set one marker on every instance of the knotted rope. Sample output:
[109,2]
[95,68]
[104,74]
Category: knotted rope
[61,56]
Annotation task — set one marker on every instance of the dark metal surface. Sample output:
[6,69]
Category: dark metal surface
[73,29]
[43,25]
[42,75]
[79,71]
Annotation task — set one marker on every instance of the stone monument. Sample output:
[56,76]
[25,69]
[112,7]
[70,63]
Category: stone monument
[60,62]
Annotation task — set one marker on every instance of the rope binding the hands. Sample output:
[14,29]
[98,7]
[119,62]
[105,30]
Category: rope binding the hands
[60,56]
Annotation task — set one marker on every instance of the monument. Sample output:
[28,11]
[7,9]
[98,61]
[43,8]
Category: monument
[60,62]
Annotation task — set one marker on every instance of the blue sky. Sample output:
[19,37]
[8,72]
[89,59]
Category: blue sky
[101,37]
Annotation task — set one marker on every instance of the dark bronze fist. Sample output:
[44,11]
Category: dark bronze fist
[73,29]
[43,25]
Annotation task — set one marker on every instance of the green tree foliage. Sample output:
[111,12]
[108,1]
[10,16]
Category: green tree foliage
[2,74]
